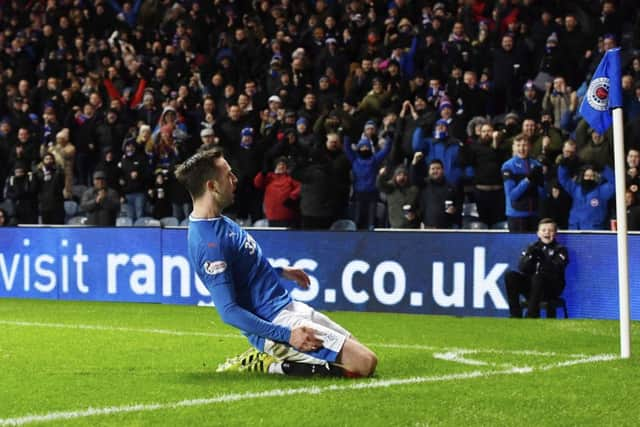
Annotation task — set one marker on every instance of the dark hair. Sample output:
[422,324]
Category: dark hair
[436,162]
[197,170]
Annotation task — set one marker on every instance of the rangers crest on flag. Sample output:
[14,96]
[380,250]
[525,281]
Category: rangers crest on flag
[598,94]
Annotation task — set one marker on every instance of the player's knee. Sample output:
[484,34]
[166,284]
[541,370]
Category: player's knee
[368,363]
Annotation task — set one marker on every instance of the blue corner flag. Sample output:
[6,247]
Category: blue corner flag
[604,92]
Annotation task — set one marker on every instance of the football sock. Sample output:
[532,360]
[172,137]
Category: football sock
[308,370]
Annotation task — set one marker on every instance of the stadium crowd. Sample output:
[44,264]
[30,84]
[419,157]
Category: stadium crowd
[392,113]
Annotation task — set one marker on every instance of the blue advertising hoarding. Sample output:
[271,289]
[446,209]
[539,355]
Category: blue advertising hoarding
[454,273]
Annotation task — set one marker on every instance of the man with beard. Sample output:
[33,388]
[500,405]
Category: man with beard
[590,196]
[50,185]
[402,197]
[439,203]
[486,157]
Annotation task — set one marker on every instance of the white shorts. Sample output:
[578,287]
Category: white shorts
[297,314]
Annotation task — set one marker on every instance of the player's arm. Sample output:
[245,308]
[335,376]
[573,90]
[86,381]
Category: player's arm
[234,315]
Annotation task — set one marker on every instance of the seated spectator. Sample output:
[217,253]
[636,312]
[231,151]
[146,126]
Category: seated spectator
[540,274]
[281,195]
[101,203]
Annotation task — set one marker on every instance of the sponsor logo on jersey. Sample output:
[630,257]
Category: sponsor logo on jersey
[214,267]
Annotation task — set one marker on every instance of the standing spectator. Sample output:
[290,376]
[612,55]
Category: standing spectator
[402,197]
[281,195]
[540,275]
[530,106]
[83,135]
[133,179]
[246,164]
[49,182]
[486,158]
[506,74]
[443,147]
[100,202]
[21,189]
[340,174]
[590,196]
[560,101]
[365,165]
[65,154]
[633,170]
[523,186]
[158,196]
[439,203]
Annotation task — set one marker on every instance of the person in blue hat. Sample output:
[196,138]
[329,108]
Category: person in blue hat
[365,165]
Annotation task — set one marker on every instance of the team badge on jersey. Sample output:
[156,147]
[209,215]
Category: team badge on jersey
[214,267]
[595,203]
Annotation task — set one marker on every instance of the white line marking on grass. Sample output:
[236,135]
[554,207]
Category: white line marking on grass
[239,336]
[235,397]
[118,329]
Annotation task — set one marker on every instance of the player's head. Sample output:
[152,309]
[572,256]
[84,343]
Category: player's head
[208,175]
[547,229]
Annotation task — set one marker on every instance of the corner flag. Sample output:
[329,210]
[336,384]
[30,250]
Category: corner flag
[604,92]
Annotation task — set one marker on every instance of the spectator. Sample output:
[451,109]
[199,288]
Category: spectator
[633,170]
[439,203]
[442,147]
[523,186]
[158,196]
[402,197]
[21,189]
[133,180]
[247,163]
[540,274]
[49,181]
[64,153]
[590,196]
[365,165]
[100,202]
[486,158]
[633,211]
[281,195]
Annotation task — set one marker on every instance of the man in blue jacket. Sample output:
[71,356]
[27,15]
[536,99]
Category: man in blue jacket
[523,186]
[442,147]
[590,196]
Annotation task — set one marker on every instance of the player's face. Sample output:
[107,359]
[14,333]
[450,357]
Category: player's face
[225,184]
[546,233]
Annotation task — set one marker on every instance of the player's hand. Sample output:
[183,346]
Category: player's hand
[304,338]
[297,275]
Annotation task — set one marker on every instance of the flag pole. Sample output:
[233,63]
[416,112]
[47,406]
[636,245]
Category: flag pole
[621,220]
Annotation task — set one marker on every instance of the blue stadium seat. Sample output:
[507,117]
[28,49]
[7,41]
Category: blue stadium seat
[70,208]
[123,221]
[261,223]
[343,225]
[7,205]
[77,220]
[557,303]
[185,222]
[502,225]
[169,221]
[147,221]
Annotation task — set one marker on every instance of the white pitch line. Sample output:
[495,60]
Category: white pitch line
[239,336]
[118,329]
[235,397]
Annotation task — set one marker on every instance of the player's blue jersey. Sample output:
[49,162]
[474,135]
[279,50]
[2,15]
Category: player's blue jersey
[244,286]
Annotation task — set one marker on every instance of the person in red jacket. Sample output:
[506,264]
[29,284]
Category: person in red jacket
[281,195]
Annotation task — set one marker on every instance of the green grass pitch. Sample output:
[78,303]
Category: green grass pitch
[111,364]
